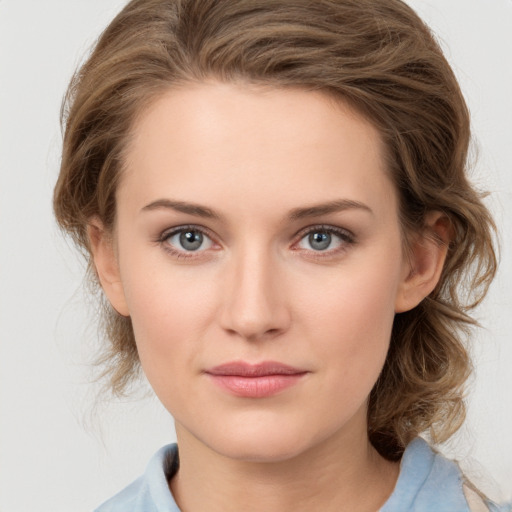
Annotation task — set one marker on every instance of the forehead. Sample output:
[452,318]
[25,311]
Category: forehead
[293,145]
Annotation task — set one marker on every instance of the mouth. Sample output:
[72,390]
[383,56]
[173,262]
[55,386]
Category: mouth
[255,380]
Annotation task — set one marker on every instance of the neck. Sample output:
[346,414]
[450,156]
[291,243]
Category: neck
[335,475]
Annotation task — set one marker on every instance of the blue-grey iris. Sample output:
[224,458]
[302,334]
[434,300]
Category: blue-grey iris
[319,240]
[191,240]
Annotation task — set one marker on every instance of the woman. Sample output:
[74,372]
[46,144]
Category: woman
[272,196]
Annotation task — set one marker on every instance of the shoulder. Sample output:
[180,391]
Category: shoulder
[150,492]
[126,499]
[476,502]
[429,481]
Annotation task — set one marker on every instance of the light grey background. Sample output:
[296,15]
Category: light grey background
[57,452]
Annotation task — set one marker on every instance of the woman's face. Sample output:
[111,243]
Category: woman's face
[260,259]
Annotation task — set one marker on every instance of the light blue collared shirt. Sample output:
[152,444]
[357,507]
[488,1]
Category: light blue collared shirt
[428,482]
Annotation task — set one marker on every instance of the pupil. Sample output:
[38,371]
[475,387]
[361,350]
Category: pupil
[191,240]
[320,241]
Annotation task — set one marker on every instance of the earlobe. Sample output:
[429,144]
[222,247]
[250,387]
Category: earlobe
[424,266]
[106,266]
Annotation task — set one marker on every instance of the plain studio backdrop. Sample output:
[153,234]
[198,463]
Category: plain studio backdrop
[57,452]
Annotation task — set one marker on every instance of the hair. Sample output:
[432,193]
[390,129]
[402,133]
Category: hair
[375,55]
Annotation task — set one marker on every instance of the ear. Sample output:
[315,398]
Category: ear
[106,265]
[425,262]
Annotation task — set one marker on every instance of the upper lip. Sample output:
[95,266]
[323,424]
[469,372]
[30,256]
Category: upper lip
[244,369]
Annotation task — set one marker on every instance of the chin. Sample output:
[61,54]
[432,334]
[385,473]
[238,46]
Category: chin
[264,450]
[269,443]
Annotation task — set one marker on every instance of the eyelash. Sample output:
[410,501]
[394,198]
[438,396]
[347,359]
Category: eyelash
[166,235]
[347,239]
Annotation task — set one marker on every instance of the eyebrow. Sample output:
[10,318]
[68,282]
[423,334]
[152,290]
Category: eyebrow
[326,208]
[295,214]
[183,207]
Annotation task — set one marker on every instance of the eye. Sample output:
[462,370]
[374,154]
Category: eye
[325,239]
[186,240]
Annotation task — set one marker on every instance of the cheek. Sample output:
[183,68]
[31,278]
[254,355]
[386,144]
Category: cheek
[349,324]
[355,302]
[170,309]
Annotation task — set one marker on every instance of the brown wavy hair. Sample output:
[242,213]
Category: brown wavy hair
[378,56]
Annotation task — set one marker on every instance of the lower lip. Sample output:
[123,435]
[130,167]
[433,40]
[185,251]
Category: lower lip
[256,387]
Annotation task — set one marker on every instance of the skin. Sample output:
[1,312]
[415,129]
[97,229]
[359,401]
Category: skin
[258,289]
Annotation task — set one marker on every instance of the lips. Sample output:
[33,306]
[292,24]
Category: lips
[255,380]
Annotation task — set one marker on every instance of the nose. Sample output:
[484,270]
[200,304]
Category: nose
[255,302]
